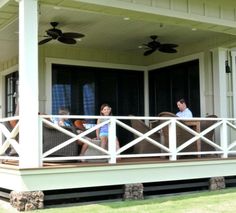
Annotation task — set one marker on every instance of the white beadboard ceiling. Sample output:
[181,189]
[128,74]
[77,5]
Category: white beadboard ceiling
[104,30]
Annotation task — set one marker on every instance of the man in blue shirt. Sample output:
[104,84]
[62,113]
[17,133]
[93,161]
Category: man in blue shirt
[184,111]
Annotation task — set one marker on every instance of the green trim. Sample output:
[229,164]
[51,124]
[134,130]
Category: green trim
[81,176]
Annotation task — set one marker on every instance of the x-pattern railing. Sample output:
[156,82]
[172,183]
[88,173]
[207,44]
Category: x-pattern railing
[223,144]
[8,138]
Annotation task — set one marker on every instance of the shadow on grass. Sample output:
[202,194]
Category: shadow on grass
[168,198]
[179,203]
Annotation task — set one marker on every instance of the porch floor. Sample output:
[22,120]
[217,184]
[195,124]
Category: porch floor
[123,161]
[84,181]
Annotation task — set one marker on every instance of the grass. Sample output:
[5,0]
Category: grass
[222,201]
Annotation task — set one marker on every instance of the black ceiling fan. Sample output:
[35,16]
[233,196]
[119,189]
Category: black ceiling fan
[156,45]
[57,34]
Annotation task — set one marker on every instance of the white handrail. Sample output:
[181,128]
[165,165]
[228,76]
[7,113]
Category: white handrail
[222,145]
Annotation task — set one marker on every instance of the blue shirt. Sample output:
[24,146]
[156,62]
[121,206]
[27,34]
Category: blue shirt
[185,114]
[103,129]
[65,123]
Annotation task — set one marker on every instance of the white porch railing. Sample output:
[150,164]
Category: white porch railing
[8,139]
[222,144]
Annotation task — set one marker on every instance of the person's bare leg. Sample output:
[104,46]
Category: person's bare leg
[117,147]
[104,142]
[83,148]
[117,144]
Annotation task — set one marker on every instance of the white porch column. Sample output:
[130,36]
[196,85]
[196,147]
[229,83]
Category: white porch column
[146,94]
[28,84]
[219,81]
[233,59]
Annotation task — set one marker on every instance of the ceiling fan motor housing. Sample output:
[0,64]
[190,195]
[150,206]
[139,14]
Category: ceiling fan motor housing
[54,33]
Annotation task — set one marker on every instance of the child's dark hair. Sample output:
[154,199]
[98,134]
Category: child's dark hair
[103,106]
[182,101]
[64,110]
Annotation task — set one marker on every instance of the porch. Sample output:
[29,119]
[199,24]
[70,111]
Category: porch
[116,168]
[173,161]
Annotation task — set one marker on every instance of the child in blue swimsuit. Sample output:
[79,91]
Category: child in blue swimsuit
[102,132]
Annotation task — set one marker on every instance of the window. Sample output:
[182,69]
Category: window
[11,82]
[84,89]
[169,84]
[89,98]
[60,97]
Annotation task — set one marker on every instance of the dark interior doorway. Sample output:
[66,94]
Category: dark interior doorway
[169,84]
[85,89]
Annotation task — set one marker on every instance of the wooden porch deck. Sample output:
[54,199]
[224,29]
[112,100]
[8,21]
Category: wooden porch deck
[87,182]
[124,161]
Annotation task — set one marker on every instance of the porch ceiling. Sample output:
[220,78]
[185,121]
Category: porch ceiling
[105,27]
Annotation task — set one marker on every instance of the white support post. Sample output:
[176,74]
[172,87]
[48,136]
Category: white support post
[146,95]
[112,140]
[219,79]
[1,141]
[30,149]
[224,139]
[1,138]
[40,140]
[233,68]
[172,139]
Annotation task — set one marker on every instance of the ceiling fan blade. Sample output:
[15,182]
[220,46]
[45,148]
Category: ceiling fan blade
[168,48]
[45,41]
[72,35]
[66,40]
[169,45]
[148,52]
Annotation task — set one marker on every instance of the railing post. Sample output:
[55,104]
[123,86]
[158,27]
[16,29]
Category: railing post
[40,135]
[112,140]
[224,139]
[1,137]
[172,139]
[1,140]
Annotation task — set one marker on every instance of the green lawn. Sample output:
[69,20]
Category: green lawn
[222,201]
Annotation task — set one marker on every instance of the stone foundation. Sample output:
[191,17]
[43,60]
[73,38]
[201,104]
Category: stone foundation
[217,183]
[133,191]
[26,201]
